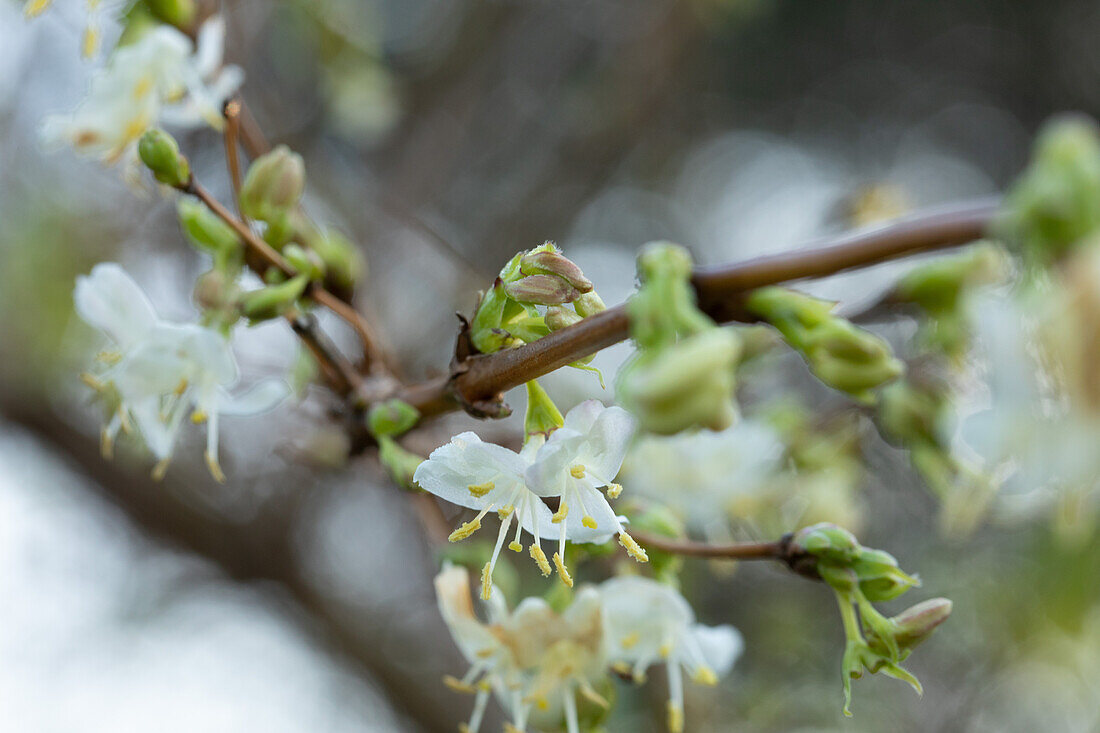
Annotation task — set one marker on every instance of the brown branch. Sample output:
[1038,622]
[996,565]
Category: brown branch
[232,114]
[720,291]
[777,550]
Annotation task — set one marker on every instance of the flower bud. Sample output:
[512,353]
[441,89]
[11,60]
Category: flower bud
[542,416]
[272,301]
[345,265]
[827,542]
[400,463]
[391,418]
[880,578]
[273,185]
[917,623]
[161,154]
[204,229]
[547,262]
[558,317]
[664,260]
[687,384]
[589,304]
[305,262]
[541,290]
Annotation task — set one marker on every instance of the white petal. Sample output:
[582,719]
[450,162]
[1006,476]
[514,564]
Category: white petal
[581,417]
[210,46]
[111,301]
[608,440]
[547,475]
[262,397]
[720,645]
[466,460]
[607,522]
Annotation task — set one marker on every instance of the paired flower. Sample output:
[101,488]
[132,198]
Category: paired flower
[538,661]
[160,372]
[159,79]
[578,459]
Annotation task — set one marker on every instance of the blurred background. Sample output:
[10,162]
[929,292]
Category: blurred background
[443,137]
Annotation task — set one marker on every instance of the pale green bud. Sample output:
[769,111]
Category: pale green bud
[391,418]
[880,578]
[205,229]
[541,290]
[273,185]
[161,154]
[272,301]
[914,625]
[345,265]
[543,416]
[589,304]
[305,262]
[545,262]
[400,463]
[558,317]
[827,542]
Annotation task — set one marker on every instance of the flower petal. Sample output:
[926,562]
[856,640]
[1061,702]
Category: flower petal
[111,301]
[262,397]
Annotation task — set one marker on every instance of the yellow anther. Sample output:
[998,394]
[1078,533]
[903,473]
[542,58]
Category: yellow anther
[109,357]
[143,86]
[563,511]
[463,728]
[621,667]
[485,653]
[458,685]
[587,690]
[632,548]
[465,530]
[540,558]
[486,582]
[215,469]
[480,490]
[198,417]
[180,388]
[577,471]
[705,676]
[664,650]
[90,42]
[484,685]
[563,572]
[515,546]
[34,8]
[542,703]
[589,522]
[509,728]
[106,444]
[160,469]
[675,718]
[504,511]
[613,490]
[630,640]
[93,381]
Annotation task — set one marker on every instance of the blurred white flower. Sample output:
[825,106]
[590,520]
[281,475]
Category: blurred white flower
[646,622]
[89,42]
[160,372]
[580,458]
[159,79]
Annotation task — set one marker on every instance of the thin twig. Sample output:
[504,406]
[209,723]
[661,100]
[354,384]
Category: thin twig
[232,113]
[720,291]
[777,550]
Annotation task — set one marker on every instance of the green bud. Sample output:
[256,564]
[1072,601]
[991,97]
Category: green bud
[161,154]
[687,384]
[345,265]
[543,416]
[558,318]
[914,625]
[205,229]
[936,286]
[659,260]
[880,578]
[589,304]
[551,262]
[391,418]
[274,300]
[400,463]
[305,262]
[180,13]
[827,542]
[273,185]
[541,290]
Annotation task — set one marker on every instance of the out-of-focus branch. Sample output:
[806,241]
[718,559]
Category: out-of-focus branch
[720,290]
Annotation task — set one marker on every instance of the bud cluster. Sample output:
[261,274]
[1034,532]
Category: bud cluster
[683,373]
[841,355]
[859,576]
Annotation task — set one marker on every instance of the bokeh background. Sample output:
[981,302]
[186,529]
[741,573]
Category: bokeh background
[444,136]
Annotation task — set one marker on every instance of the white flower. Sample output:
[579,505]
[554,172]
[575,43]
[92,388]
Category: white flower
[90,38]
[534,659]
[580,458]
[488,477]
[702,475]
[154,80]
[645,622]
[162,372]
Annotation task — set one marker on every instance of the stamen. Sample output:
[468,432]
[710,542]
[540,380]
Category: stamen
[110,358]
[540,558]
[665,650]
[704,675]
[161,468]
[562,512]
[632,548]
[487,581]
[215,468]
[480,490]
[93,381]
[577,470]
[675,718]
[90,42]
[198,417]
[465,530]
[180,388]
[622,668]
[676,699]
[591,694]
[614,490]
[106,444]
[458,685]
[589,522]
[563,572]
[505,511]
[630,640]
[34,8]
